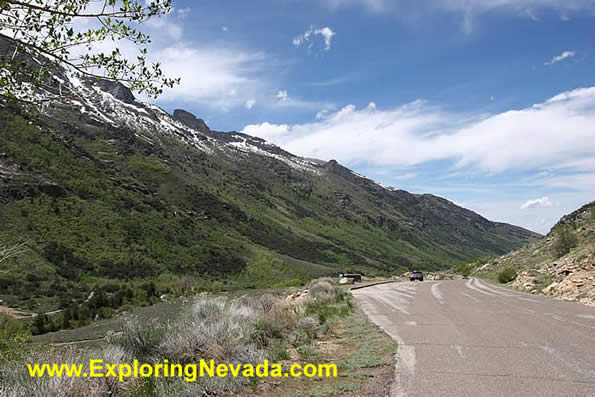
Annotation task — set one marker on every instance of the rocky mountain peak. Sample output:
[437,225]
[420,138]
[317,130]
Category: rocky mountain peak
[117,90]
[191,120]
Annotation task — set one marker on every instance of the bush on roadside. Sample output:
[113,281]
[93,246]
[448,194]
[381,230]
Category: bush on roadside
[564,242]
[507,275]
[463,268]
[13,337]
[320,290]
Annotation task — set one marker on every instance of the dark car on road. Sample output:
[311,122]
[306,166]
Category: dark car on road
[465,277]
[416,275]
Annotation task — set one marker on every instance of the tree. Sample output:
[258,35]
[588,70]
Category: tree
[565,241]
[40,35]
[507,275]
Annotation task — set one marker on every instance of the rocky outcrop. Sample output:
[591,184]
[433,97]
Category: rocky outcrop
[117,90]
[191,120]
[576,280]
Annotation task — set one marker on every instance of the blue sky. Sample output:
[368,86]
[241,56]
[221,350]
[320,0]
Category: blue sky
[488,103]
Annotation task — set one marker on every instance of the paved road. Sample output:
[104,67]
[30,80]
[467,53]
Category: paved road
[469,338]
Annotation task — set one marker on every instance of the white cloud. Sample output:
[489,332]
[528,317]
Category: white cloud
[282,95]
[213,77]
[183,12]
[266,130]
[561,57]
[250,103]
[326,33]
[539,202]
[217,77]
[322,114]
[225,29]
[556,134]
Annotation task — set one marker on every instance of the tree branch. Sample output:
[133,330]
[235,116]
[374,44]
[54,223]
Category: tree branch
[115,14]
[9,252]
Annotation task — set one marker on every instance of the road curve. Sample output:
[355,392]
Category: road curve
[469,338]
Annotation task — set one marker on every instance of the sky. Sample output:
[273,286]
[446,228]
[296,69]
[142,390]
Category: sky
[488,103]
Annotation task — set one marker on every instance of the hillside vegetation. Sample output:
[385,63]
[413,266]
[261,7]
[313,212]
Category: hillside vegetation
[561,264]
[120,203]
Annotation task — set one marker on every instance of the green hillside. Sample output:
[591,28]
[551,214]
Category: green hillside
[121,203]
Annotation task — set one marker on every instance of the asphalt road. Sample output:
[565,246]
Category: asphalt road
[470,338]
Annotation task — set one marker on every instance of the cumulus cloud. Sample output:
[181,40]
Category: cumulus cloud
[266,130]
[539,202]
[250,103]
[282,95]
[217,77]
[211,76]
[555,134]
[326,33]
[561,57]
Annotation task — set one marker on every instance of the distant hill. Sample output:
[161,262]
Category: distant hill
[545,267]
[107,190]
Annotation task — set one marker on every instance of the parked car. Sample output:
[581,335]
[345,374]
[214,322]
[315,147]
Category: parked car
[416,275]
[465,277]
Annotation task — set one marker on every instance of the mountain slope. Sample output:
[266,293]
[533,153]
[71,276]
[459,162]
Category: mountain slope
[108,188]
[566,271]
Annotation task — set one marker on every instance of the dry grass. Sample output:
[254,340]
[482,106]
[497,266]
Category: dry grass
[245,330]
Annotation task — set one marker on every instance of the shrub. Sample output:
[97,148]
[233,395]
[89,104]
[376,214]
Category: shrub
[264,330]
[464,268]
[307,351]
[207,308]
[267,301]
[507,275]
[17,382]
[285,315]
[564,242]
[142,340]
[321,290]
[279,352]
[307,328]
[13,337]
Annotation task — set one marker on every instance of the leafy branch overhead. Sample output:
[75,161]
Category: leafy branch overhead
[40,35]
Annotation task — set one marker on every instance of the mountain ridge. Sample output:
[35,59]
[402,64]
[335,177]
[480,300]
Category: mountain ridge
[115,188]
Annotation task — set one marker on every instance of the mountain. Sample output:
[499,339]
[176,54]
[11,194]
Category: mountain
[108,189]
[561,264]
